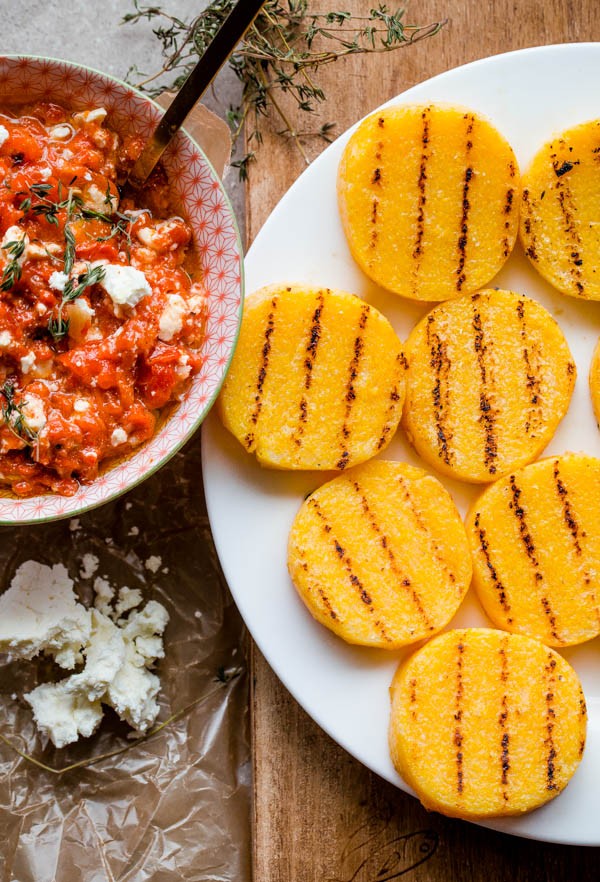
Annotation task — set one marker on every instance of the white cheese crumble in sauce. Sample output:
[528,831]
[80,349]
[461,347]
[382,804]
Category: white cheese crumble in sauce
[153,563]
[58,280]
[125,285]
[117,646]
[27,362]
[3,135]
[118,437]
[171,319]
[5,339]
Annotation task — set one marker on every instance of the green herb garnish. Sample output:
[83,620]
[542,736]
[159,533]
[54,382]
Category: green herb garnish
[13,416]
[58,325]
[12,271]
[280,57]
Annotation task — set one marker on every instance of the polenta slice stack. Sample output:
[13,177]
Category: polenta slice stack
[379,555]
[317,380]
[490,377]
[535,540]
[560,212]
[485,724]
[429,197]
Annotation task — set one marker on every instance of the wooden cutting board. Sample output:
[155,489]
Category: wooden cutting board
[319,816]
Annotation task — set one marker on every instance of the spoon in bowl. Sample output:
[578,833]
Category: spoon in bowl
[216,54]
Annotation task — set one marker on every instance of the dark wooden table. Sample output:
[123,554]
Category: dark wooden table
[319,816]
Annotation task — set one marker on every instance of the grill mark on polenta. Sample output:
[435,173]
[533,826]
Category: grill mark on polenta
[309,363]
[508,207]
[498,585]
[466,206]
[359,345]
[403,579]
[530,550]
[262,373]
[568,514]
[392,405]
[421,185]
[413,698]
[488,415]
[440,364]
[327,604]
[534,387]
[531,250]
[569,211]
[458,715]
[503,722]
[549,727]
[347,564]
[573,527]
[434,548]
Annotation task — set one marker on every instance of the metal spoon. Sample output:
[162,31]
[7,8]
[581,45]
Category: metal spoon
[216,54]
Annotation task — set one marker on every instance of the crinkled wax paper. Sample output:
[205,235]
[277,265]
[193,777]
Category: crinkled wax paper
[171,806]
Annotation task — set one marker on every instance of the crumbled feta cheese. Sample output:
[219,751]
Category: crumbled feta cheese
[129,598]
[98,114]
[41,308]
[58,280]
[61,132]
[3,135]
[153,563]
[5,338]
[80,405]
[80,315]
[118,437]
[45,173]
[105,593]
[96,200]
[171,319]
[125,285]
[34,413]
[63,715]
[40,613]
[89,565]
[27,362]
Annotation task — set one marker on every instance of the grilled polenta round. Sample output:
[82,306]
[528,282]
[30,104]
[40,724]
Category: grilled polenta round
[490,376]
[594,380]
[485,723]
[317,380]
[428,198]
[560,228]
[536,547]
[379,555]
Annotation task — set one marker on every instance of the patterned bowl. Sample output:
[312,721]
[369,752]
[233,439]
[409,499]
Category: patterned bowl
[216,238]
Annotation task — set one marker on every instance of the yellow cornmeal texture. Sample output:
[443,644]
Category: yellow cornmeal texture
[535,540]
[428,197]
[380,556]
[594,381]
[490,377]
[317,380]
[485,724]
[560,212]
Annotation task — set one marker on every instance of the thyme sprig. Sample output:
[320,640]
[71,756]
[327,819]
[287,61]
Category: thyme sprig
[13,415]
[280,56]
[12,271]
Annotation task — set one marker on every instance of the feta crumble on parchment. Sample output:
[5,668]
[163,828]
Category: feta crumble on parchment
[117,643]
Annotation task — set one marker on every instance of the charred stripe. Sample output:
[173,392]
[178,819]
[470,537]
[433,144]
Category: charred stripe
[402,578]
[440,364]
[350,396]
[488,414]
[485,550]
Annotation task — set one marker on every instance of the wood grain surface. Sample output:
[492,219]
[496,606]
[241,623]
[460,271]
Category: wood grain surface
[319,816]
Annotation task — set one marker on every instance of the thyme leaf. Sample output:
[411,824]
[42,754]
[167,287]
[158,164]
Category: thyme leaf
[12,271]
[13,415]
[58,325]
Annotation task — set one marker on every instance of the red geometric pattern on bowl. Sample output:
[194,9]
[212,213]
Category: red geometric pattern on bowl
[26,79]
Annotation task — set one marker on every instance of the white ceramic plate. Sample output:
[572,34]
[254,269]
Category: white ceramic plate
[529,95]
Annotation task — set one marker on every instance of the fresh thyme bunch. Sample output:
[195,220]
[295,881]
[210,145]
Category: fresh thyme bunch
[281,54]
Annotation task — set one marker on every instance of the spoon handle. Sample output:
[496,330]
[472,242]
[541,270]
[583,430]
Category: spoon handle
[216,54]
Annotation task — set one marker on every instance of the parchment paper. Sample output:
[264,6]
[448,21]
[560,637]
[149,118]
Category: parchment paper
[172,806]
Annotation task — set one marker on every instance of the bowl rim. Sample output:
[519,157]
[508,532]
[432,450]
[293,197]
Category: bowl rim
[181,442]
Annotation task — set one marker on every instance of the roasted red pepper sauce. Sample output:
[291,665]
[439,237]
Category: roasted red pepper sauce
[101,322]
